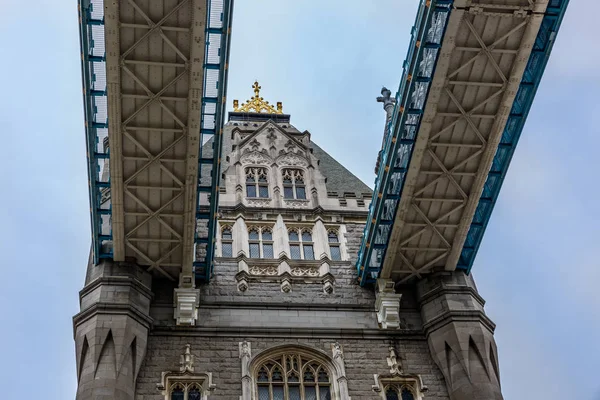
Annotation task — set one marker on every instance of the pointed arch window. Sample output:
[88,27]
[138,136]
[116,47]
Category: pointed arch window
[257,183]
[186,391]
[260,242]
[293,184]
[334,244]
[293,376]
[301,244]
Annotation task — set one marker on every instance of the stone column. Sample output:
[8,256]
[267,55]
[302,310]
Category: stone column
[460,336]
[111,330]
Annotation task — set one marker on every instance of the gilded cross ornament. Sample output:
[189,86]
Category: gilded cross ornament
[257,104]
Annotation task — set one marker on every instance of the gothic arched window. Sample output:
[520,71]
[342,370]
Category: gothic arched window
[301,244]
[293,376]
[226,242]
[260,242]
[399,392]
[257,184]
[334,245]
[293,184]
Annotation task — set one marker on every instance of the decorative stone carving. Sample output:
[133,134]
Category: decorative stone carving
[291,159]
[242,285]
[296,203]
[286,286]
[340,367]
[256,202]
[186,379]
[269,270]
[256,157]
[186,306]
[304,271]
[387,305]
[393,363]
[187,360]
[245,356]
[327,286]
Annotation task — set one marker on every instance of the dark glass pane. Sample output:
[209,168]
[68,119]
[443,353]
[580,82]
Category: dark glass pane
[227,249]
[310,393]
[407,395]
[267,251]
[263,376]
[295,252]
[253,234]
[322,375]
[308,375]
[194,394]
[391,394]
[332,237]
[254,252]
[277,375]
[293,236]
[267,235]
[293,377]
[250,191]
[294,392]
[263,191]
[300,192]
[263,393]
[277,392]
[226,234]
[309,253]
[306,236]
[288,192]
[324,393]
[177,394]
[335,253]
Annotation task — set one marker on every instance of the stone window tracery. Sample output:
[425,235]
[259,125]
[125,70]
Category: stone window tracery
[260,240]
[334,244]
[293,376]
[186,384]
[257,183]
[399,392]
[293,184]
[301,244]
[226,242]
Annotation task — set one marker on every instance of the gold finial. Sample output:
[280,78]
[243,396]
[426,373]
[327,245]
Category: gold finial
[257,104]
[256,88]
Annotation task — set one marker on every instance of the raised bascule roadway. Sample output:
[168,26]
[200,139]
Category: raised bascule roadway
[155,76]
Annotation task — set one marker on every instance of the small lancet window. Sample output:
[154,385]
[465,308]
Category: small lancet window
[334,245]
[257,184]
[293,184]
[226,242]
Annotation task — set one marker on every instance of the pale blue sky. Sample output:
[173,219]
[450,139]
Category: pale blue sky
[326,60]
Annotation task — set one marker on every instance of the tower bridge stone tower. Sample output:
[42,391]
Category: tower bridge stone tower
[283,316]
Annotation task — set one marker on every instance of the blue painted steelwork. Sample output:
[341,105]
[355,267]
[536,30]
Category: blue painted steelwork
[419,68]
[514,126]
[216,58]
[91,36]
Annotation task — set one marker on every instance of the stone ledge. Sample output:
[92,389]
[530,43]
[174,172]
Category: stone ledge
[116,281]
[111,309]
[334,333]
[450,289]
[458,316]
